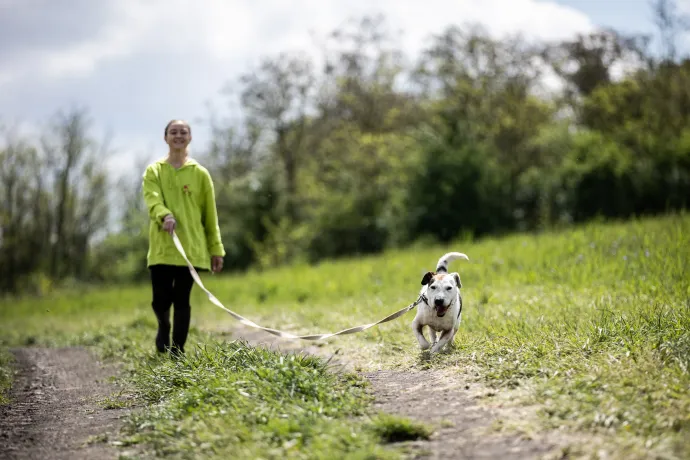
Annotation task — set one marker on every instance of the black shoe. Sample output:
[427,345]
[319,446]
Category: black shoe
[162,340]
[163,334]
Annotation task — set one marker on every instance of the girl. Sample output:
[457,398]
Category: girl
[179,196]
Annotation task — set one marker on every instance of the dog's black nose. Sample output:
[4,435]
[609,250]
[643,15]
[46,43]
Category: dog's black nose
[438,302]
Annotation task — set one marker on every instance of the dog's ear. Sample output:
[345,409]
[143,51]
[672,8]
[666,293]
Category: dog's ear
[427,278]
[456,276]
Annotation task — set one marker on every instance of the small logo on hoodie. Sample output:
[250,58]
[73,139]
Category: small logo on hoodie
[186,190]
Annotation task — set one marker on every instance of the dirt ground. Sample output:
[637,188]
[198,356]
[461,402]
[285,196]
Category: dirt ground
[56,410]
[463,429]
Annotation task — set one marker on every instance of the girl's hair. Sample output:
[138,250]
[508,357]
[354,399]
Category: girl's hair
[175,121]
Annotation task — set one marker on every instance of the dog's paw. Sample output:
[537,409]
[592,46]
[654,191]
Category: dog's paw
[423,343]
[436,348]
[445,349]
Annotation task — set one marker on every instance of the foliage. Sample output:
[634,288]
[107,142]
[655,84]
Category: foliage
[367,149]
[54,203]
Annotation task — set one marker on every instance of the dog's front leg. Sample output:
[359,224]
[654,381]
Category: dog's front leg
[432,336]
[442,341]
[417,329]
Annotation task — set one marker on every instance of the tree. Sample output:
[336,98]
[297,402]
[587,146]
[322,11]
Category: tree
[482,96]
[80,188]
[589,61]
[364,72]
[24,211]
[671,24]
[277,98]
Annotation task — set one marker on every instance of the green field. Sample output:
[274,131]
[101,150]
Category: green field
[590,324]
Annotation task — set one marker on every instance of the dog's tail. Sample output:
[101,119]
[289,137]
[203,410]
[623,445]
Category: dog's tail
[442,265]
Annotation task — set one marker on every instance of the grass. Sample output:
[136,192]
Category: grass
[230,399]
[591,325]
[395,429]
[6,371]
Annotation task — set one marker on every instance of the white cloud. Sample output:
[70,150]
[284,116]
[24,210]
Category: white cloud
[241,31]
[144,42]
[81,59]
[536,19]
[211,27]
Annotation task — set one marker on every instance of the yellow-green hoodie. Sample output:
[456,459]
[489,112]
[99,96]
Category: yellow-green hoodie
[188,194]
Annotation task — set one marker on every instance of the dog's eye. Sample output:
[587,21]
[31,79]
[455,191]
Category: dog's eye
[448,288]
[432,286]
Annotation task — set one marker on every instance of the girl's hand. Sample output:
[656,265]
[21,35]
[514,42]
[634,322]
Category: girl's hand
[169,223]
[216,264]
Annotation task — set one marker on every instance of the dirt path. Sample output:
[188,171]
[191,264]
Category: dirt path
[55,408]
[463,427]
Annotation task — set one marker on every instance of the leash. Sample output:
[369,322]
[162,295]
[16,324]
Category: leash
[277,332]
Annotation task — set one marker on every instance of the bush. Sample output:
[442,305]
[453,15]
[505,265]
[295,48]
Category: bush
[458,189]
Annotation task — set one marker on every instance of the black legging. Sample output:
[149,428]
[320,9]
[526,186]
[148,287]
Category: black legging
[172,285]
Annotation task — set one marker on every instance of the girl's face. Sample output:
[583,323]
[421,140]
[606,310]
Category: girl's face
[178,136]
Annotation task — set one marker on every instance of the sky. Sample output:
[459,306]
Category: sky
[135,64]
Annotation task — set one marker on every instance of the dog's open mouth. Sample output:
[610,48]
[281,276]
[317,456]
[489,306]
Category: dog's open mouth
[441,311]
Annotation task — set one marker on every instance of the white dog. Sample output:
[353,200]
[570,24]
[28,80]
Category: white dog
[441,307]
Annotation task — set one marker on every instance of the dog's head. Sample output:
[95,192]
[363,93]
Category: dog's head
[441,291]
